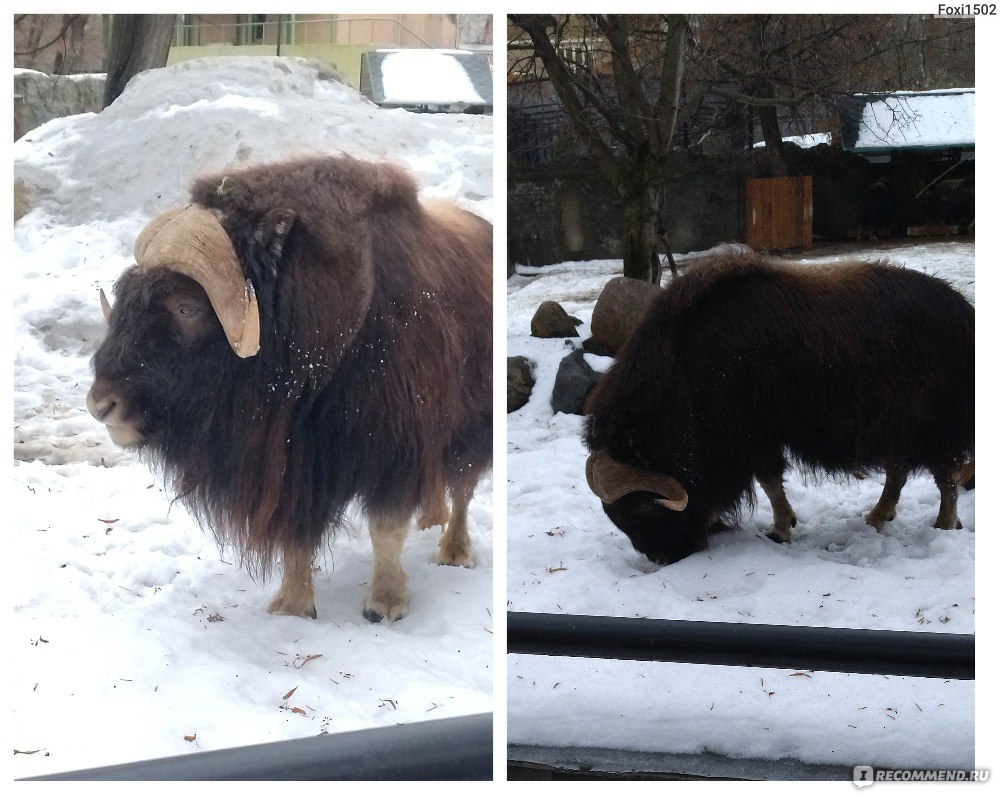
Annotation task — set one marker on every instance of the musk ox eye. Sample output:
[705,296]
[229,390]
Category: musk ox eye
[190,316]
[188,313]
[184,307]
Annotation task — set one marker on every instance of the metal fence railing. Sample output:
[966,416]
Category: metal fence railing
[899,653]
[910,653]
[192,30]
[458,748]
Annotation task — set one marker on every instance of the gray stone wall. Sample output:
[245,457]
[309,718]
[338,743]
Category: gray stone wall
[38,98]
[568,211]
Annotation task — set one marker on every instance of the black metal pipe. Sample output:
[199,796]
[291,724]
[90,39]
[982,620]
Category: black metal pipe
[926,655]
[459,748]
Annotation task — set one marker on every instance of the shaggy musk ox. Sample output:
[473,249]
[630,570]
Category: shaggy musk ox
[741,362]
[301,336]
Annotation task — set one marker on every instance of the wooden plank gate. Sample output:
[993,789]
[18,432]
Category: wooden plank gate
[779,212]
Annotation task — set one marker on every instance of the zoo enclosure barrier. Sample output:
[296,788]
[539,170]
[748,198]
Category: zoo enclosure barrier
[909,653]
[457,748]
[901,653]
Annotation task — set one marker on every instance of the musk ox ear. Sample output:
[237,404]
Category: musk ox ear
[270,235]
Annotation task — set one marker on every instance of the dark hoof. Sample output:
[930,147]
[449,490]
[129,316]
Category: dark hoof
[775,537]
[373,616]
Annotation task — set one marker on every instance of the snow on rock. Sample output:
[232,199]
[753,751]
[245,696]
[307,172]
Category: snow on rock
[566,557]
[131,629]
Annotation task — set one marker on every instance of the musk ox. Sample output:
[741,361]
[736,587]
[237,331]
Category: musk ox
[302,336]
[743,363]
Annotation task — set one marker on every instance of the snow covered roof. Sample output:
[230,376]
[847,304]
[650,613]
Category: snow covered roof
[941,119]
[448,80]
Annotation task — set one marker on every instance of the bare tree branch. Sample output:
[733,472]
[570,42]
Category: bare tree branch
[59,37]
[563,83]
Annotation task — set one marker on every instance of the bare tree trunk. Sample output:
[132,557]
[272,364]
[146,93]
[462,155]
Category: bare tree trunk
[773,155]
[639,237]
[138,42]
[664,237]
[641,126]
[671,81]
[641,218]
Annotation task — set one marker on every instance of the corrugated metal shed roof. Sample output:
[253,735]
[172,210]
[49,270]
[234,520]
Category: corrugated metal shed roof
[878,123]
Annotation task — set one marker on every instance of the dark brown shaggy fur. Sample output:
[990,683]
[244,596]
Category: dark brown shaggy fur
[373,382]
[847,369]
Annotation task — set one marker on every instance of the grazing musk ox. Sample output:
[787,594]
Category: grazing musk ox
[301,336]
[741,362]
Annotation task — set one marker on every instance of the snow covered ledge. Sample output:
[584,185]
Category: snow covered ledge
[39,98]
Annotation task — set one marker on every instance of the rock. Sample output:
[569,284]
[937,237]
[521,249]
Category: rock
[520,381]
[551,321]
[22,199]
[32,187]
[574,381]
[593,346]
[618,311]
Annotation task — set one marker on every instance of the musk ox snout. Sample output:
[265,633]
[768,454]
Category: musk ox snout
[662,535]
[109,407]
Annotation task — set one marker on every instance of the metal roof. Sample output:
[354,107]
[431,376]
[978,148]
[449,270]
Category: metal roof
[907,120]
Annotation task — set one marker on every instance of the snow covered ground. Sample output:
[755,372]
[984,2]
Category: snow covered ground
[133,636]
[566,557]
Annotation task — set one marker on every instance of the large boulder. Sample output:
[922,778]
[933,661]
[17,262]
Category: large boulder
[574,381]
[551,321]
[618,311]
[520,381]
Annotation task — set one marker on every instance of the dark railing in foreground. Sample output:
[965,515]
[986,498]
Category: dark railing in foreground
[927,655]
[459,748]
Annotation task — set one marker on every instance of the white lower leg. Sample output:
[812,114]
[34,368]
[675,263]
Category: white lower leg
[389,596]
[297,596]
[948,514]
[784,515]
[885,509]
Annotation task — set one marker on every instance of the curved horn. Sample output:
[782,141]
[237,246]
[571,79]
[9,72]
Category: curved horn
[611,480]
[192,241]
[105,306]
